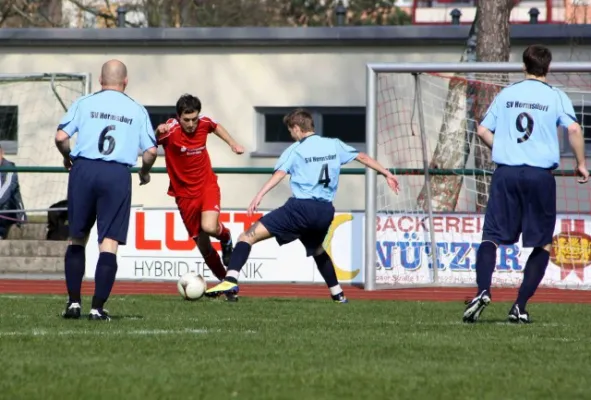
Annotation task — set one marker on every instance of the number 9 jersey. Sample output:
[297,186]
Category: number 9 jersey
[110,126]
[314,164]
[524,118]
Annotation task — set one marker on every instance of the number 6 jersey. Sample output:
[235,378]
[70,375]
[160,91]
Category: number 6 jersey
[110,126]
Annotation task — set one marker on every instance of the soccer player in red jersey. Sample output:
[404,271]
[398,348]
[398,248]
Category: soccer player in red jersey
[193,183]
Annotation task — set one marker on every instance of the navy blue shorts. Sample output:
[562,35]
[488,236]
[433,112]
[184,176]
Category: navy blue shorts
[99,191]
[303,219]
[522,200]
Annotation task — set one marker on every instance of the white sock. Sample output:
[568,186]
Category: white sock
[233,274]
[335,290]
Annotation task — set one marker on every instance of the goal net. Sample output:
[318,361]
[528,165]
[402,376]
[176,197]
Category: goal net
[31,107]
[422,120]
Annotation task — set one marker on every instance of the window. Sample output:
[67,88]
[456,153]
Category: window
[159,115]
[345,123]
[9,128]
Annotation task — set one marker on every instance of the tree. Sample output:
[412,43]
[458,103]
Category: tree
[467,100]
[455,136]
[493,45]
[31,13]
[207,13]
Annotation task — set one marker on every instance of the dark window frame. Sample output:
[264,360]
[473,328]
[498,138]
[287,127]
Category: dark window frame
[159,115]
[9,144]
[267,148]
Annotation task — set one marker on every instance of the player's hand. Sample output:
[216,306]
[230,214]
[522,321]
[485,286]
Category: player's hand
[583,174]
[68,163]
[393,183]
[236,148]
[162,129]
[144,178]
[254,205]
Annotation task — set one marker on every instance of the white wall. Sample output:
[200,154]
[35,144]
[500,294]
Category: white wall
[230,82]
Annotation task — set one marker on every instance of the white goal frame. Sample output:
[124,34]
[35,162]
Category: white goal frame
[52,78]
[415,69]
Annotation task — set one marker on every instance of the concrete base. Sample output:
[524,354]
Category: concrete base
[32,256]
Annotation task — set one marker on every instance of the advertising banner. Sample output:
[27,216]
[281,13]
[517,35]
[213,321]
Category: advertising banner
[158,248]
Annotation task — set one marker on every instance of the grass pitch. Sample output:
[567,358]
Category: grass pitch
[161,347]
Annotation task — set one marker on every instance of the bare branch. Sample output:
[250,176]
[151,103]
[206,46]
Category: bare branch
[23,15]
[108,17]
[5,11]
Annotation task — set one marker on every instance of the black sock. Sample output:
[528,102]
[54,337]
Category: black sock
[75,263]
[104,278]
[535,268]
[486,260]
[326,269]
[237,261]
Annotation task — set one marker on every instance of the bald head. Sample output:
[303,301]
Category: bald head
[114,74]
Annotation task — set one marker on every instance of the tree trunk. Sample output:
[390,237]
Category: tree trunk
[455,136]
[493,45]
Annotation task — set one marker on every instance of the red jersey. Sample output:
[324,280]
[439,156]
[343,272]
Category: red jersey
[187,161]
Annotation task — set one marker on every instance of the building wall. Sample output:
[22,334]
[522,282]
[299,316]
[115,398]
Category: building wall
[230,82]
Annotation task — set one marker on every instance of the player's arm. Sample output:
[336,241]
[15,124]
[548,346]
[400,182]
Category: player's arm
[488,125]
[577,142]
[348,154]
[282,168]
[576,139]
[162,131]
[149,147]
[379,168]
[223,134]
[67,127]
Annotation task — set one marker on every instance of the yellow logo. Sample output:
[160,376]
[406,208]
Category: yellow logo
[342,275]
[571,251]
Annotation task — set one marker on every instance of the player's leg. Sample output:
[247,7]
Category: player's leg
[282,223]
[81,218]
[502,225]
[256,233]
[211,226]
[319,217]
[113,212]
[539,221]
[210,255]
[210,221]
[191,214]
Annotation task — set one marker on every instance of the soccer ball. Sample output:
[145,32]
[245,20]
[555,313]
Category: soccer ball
[191,286]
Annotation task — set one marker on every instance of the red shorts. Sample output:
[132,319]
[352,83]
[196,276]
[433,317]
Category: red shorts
[192,207]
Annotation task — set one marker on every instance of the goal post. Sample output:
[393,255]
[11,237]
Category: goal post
[420,122]
[31,106]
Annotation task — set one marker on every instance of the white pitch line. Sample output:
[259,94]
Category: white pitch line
[29,297]
[119,332]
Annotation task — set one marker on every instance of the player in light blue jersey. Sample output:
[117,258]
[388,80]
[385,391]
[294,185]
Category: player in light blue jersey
[314,164]
[521,127]
[110,128]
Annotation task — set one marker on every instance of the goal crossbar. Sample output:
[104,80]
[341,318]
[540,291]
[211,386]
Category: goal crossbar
[372,95]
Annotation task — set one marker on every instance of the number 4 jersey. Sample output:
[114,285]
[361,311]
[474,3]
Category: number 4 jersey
[314,164]
[110,126]
[524,118]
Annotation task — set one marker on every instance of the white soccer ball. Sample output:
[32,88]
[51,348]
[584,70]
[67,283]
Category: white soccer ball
[191,286]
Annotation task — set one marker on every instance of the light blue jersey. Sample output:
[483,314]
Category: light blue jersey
[524,118]
[314,164]
[110,126]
